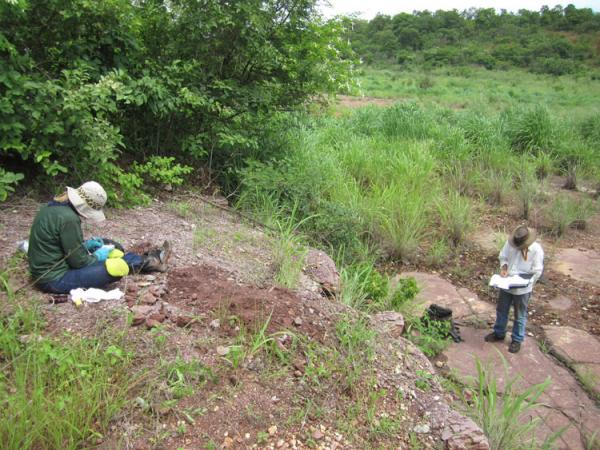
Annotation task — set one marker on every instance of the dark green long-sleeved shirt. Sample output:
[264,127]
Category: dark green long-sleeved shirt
[56,233]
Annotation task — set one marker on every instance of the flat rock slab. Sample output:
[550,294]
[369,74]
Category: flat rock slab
[464,304]
[564,402]
[560,303]
[571,345]
[582,265]
[589,375]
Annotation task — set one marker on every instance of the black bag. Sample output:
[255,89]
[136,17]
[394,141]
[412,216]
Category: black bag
[439,313]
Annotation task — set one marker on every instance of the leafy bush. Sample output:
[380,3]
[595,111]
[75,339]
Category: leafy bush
[7,179]
[431,336]
[163,170]
[405,292]
[106,84]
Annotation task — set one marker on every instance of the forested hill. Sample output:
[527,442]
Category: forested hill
[554,40]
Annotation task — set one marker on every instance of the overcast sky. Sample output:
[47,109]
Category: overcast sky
[367,9]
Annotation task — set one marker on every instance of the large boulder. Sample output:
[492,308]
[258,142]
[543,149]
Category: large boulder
[320,268]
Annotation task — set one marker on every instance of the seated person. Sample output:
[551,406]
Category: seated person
[59,258]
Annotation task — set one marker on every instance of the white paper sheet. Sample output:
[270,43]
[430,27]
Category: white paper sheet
[514,281]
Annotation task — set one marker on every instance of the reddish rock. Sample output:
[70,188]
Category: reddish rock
[157,316]
[132,288]
[151,323]
[183,320]
[148,298]
[138,319]
[320,268]
[389,322]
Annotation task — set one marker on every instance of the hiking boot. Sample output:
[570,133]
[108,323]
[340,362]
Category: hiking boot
[514,347]
[156,260]
[492,337]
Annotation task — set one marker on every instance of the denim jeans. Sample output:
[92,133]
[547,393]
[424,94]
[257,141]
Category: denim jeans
[520,302]
[95,275]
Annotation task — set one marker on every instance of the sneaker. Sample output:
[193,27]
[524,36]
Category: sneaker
[156,260]
[165,253]
[514,347]
[492,337]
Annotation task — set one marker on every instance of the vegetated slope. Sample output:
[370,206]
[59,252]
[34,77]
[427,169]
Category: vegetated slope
[215,359]
[555,40]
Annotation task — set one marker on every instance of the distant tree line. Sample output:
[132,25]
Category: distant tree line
[553,40]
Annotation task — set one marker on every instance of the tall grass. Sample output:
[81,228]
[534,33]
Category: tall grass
[57,392]
[502,416]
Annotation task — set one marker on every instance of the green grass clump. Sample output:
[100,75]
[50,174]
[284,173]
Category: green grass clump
[57,392]
[500,415]
[565,211]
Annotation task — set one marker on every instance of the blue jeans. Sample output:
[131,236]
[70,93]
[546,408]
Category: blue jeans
[520,303]
[95,275]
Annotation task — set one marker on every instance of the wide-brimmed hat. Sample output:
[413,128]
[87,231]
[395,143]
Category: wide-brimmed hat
[522,237]
[88,199]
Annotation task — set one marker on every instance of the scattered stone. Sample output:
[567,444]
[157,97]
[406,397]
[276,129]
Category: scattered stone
[227,443]
[421,429]
[215,324]
[389,322]
[317,435]
[280,443]
[150,277]
[138,319]
[183,320]
[152,323]
[142,310]
[158,316]
[222,350]
[148,298]
[298,321]
[320,268]
[439,364]
[272,430]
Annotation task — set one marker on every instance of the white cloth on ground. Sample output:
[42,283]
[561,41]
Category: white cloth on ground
[95,295]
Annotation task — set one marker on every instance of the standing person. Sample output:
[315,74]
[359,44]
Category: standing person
[59,258]
[521,255]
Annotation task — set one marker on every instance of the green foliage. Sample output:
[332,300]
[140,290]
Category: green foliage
[183,377]
[162,170]
[405,292]
[481,36]
[501,415]
[357,347]
[57,392]
[564,211]
[531,130]
[431,336]
[7,179]
[456,217]
[106,84]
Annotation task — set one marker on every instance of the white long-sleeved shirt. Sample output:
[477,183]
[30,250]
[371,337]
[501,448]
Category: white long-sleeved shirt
[512,257]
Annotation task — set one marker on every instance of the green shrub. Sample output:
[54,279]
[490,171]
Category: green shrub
[456,217]
[500,415]
[431,336]
[564,211]
[162,170]
[531,130]
[437,254]
[405,292]
[7,180]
